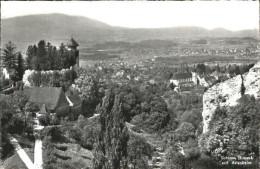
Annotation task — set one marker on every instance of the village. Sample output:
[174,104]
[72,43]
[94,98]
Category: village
[91,86]
[42,90]
[62,96]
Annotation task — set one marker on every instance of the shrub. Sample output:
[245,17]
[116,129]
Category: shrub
[44,119]
[32,107]
[56,135]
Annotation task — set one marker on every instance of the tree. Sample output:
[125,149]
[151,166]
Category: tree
[185,131]
[19,70]
[172,86]
[243,89]
[174,159]
[44,56]
[194,117]
[62,56]
[29,56]
[218,68]
[50,57]
[35,62]
[41,53]
[201,69]
[9,56]
[111,148]
[233,131]
[138,151]
[55,59]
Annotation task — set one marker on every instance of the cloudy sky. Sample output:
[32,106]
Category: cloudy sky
[219,14]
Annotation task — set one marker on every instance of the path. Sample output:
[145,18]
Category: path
[158,156]
[22,154]
[94,115]
[38,153]
[38,162]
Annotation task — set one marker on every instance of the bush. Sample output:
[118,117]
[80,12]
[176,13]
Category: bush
[32,107]
[174,159]
[184,132]
[5,83]
[56,135]
[63,157]
[44,119]
[61,147]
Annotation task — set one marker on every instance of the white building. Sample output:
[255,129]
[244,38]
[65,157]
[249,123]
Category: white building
[184,77]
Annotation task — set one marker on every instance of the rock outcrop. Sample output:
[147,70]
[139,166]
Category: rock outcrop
[226,94]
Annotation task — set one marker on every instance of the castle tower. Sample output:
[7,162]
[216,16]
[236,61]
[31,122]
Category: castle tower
[73,48]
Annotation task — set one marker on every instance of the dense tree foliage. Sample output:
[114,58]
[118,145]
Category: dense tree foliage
[14,119]
[44,56]
[233,132]
[138,152]
[111,148]
[13,62]
[154,116]
[63,78]
[9,56]
[201,69]
[174,159]
[20,67]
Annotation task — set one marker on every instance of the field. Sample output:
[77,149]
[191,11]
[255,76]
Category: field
[171,52]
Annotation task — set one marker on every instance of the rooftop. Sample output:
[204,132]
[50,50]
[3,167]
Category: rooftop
[52,97]
[182,75]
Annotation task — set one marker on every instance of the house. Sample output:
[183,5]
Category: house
[207,81]
[4,73]
[53,99]
[183,78]
[43,110]
[74,100]
[202,81]
[75,106]
[210,80]
[218,75]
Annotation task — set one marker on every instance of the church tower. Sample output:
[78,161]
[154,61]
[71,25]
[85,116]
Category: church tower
[73,48]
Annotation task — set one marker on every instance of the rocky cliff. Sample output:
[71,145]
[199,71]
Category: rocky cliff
[227,93]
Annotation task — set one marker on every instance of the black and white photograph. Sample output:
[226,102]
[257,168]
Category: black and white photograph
[129,85]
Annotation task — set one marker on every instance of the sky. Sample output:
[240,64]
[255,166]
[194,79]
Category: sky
[230,15]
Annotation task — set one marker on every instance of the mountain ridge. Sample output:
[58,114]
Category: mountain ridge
[59,27]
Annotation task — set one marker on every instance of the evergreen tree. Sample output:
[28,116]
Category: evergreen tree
[35,62]
[9,56]
[201,69]
[28,60]
[41,53]
[55,58]
[50,57]
[187,68]
[110,152]
[218,68]
[62,56]
[20,67]
[243,88]
[174,159]
[44,56]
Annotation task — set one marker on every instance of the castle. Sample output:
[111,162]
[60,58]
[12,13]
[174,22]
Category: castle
[73,48]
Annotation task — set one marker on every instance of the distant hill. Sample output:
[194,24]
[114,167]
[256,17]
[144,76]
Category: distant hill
[51,27]
[58,28]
